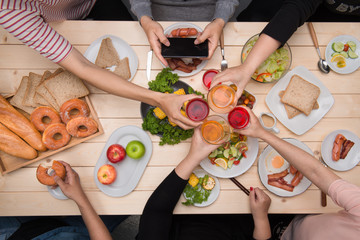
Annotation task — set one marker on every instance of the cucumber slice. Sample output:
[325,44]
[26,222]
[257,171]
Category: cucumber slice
[352,54]
[226,153]
[337,46]
[352,45]
[345,55]
[213,154]
[234,151]
[335,54]
[230,163]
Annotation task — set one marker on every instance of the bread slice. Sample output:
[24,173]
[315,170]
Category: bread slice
[65,86]
[38,98]
[123,69]
[107,55]
[34,81]
[292,112]
[301,94]
[17,99]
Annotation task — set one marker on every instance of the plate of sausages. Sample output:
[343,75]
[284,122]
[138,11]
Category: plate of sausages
[341,150]
[278,175]
[184,67]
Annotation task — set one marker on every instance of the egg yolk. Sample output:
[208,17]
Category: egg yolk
[277,162]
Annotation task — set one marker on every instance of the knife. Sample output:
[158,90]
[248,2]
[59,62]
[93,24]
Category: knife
[148,64]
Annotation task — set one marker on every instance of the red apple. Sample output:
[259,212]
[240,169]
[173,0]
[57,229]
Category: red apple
[106,174]
[116,153]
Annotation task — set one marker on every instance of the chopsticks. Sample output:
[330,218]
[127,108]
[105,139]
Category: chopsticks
[237,183]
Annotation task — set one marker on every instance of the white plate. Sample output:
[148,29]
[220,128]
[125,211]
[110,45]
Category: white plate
[301,123]
[129,171]
[235,170]
[214,192]
[303,185]
[123,49]
[57,193]
[351,64]
[186,25]
[353,156]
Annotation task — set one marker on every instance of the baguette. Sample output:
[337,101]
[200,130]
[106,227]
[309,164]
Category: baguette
[20,125]
[12,144]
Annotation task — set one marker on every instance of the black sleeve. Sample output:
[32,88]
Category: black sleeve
[292,14]
[156,219]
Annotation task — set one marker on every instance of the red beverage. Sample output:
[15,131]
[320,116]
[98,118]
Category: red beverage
[197,109]
[239,118]
[208,77]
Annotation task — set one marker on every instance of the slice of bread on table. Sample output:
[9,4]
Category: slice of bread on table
[293,112]
[38,98]
[43,96]
[123,69]
[33,83]
[17,99]
[301,94]
[107,55]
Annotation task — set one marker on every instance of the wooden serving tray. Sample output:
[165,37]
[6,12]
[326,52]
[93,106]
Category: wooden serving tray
[10,163]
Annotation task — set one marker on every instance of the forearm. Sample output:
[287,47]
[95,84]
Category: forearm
[94,224]
[261,227]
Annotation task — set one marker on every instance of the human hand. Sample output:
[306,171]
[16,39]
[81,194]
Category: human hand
[254,128]
[71,185]
[259,203]
[171,105]
[155,35]
[211,32]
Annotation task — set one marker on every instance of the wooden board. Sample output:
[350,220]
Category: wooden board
[10,163]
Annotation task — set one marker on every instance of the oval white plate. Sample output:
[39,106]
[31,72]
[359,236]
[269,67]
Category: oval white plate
[353,156]
[57,193]
[129,171]
[186,25]
[303,185]
[351,64]
[123,49]
[235,170]
[214,192]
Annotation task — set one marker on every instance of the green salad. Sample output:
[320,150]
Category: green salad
[273,67]
[196,194]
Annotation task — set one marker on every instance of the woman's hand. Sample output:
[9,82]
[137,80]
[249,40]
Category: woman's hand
[254,129]
[259,203]
[155,35]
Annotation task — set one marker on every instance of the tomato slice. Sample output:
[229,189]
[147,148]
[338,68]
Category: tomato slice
[236,162]
[346,47]
[264,77]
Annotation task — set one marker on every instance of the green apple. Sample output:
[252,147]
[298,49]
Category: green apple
[135,149]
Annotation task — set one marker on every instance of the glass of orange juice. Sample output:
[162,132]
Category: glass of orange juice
[215,129]
[221,98]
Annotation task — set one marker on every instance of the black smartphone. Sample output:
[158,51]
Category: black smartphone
[185,47]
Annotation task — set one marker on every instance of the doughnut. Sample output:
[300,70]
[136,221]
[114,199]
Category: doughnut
[50,139]
[39,115]
[43,176]
[67,110]
[81,127]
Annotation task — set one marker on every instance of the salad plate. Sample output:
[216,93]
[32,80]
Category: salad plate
[301,123]
[235,170]
[351,64]
[214,192]
[353,156]
[263,170]
[129,171]
[202,65]
[123,49]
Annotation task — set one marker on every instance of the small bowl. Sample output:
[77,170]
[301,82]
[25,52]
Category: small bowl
[251,102]
[246,50]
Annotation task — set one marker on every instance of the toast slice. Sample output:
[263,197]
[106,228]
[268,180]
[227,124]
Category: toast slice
[65,86]
[301,94]
[107,55]
[123,69]
[33,83]
[293,112]
[38,98]
[17,99]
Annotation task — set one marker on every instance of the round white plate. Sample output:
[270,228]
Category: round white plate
[214,192]
[351,64]
[129,171]
[123,49]
[263,173]
[186,25]
[235,170]
[353,156]
[57,193]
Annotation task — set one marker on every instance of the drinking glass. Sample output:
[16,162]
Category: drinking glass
[221,98]
[197,109]
[215,130]
[239,118]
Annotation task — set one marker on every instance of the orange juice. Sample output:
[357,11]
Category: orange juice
[215,129]
[221,98]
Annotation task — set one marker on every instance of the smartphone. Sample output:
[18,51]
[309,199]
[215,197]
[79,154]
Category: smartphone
[185,48]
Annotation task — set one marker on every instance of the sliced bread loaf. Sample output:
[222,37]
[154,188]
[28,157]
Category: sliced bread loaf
[17,99]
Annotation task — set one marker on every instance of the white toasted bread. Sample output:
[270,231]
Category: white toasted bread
[17,99]
[123,69]
[107,55]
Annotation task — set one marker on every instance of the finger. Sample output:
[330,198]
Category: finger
[59,181]
[201,38]
[163,39]
[157,52]
[252,196]
[212,48]
[186,123]
[220,78]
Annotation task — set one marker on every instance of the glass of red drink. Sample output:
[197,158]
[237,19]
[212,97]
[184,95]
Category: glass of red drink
[239,118]
[197,109]
[208,77]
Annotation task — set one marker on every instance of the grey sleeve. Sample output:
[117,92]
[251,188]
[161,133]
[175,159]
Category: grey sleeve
[141,8]
[224,9]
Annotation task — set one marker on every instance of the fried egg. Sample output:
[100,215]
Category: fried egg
[275,163]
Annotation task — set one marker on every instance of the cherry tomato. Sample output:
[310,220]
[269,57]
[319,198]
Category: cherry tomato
[236,162]
[346,47]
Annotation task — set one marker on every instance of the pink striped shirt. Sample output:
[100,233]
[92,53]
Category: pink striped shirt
[28,21]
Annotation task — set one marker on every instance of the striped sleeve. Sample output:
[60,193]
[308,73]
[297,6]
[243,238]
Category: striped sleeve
[31,29]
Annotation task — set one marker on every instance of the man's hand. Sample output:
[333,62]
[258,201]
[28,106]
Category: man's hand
[211,32]
[155,35]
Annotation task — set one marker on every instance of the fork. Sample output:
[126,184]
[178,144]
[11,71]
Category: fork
[323,195]
[224,64]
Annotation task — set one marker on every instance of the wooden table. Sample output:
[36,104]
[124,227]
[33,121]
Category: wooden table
[23,195]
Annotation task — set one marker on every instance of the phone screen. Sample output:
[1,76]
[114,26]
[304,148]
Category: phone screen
[184,47]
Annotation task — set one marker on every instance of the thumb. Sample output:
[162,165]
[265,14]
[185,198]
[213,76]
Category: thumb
[252,196]
[59,181]
[201,38]
[163,39]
